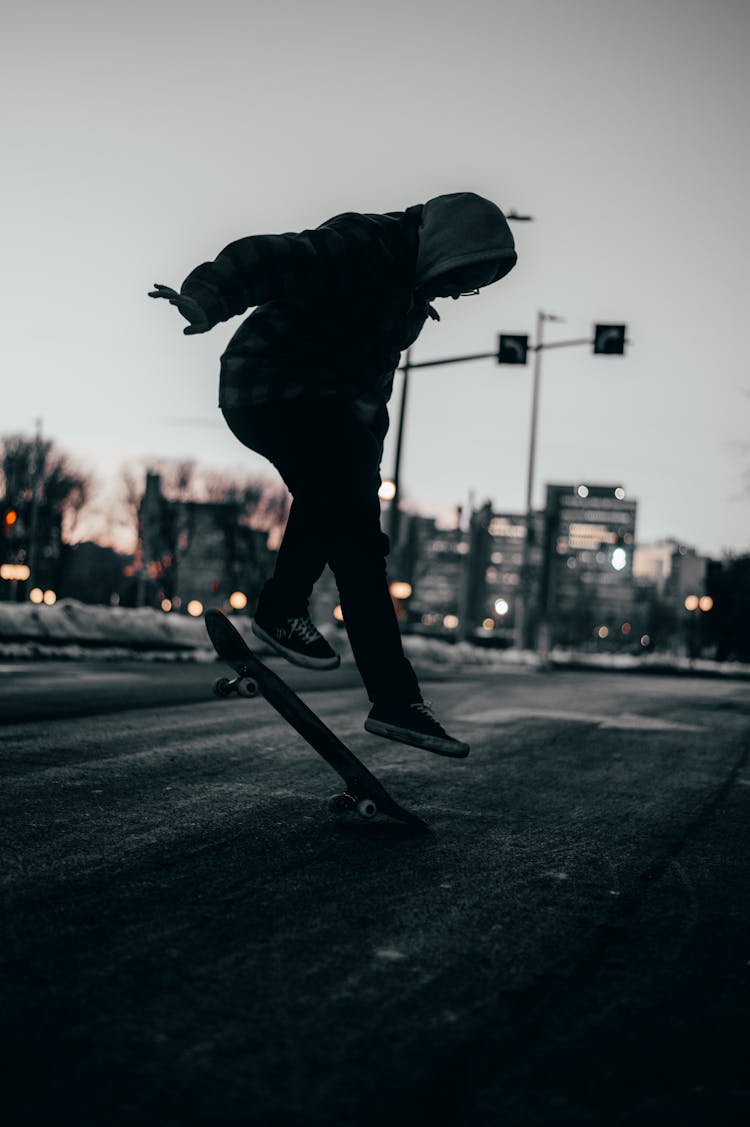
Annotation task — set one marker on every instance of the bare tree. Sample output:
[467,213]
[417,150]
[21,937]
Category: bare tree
[39,478]
[263,503]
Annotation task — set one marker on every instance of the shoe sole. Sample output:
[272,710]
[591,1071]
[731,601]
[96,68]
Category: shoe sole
[294,657]
[454,750]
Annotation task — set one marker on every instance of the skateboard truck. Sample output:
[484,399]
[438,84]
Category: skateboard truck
[243,684]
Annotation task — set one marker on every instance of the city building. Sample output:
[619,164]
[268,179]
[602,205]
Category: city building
[466,582]
[194,554]
[435,570]
[652,564]
[687,579]
[587,585]
[503,578]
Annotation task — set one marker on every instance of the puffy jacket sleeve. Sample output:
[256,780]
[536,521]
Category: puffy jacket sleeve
[325,261]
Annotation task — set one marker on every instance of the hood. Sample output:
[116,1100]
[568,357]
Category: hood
[467,236]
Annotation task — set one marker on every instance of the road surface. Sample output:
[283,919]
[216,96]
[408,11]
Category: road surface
[190,938]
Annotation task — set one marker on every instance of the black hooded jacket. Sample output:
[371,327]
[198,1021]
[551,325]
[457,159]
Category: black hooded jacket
[336,305]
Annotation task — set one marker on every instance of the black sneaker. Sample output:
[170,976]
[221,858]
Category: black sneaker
[298,640]
[414,724]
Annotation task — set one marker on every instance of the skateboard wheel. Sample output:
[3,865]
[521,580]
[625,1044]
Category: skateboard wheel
[222,687]
[248,688]
[341,804]
[366,808]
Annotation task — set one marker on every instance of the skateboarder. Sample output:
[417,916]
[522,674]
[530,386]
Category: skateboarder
[305,382]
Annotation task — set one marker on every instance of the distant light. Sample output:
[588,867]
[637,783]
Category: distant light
[620,493]
[706,604]
[387,490]
[11,517]
[238,600]
[36,594]
[450,622]
[501,606]
[626,627]
[602,632]
[195,608]
[582,491]
[14,571]
[692,602]
[489,624]
[166,604]
[49,598]
[645,640]
[400,590]
[429,619]
[462,548]
[338,614]
[619,559]
[274,538]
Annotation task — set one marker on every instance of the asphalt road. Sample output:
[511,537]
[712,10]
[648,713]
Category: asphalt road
[190,938]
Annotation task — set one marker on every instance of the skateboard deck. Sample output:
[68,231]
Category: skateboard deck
[363,794]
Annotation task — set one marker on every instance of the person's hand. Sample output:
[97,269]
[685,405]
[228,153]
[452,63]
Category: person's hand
[189,308]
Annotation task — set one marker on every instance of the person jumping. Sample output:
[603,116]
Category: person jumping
[305,382]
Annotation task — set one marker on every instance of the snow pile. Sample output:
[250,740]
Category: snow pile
[649,663]
[463,653]
[73,630]
[69,621]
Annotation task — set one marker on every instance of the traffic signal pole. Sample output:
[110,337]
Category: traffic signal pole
[523,610]
[606,339]
[406,368]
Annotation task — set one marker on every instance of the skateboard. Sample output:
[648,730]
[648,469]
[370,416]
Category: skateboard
[363,794]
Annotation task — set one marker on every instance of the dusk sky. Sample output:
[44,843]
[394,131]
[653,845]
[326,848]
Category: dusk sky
[140,138]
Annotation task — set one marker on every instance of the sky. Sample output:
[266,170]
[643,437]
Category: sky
[141,138]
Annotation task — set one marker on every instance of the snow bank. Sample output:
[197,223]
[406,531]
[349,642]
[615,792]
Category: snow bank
[75,631]
[71,622]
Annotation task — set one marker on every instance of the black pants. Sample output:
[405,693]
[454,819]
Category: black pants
[329,459]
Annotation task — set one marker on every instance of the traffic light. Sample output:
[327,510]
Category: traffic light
[619,554]
[609,340]
[9,519]
[512,349]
